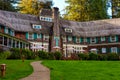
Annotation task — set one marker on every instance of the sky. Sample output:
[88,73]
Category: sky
[60,4]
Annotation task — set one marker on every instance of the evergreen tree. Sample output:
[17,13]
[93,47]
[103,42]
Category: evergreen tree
[86,10]
[7,5]
[33,6]
[115,8]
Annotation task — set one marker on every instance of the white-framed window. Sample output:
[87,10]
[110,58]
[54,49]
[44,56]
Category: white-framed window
[64,39]
[46,37]
[113,49]
[37,26]
[102,38]
[68,30]
[85,39]
[103,50]
[112,38]
[6,30]
[45,18]
[39,36]
[31,35]
[77,40]
[69,38]
[93,40]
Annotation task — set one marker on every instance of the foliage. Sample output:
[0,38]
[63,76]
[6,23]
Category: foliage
[102,57]
[93,56]
[115,8]
[16,69]
[43,54]
[5,54]
[83,56]
[19,53]
[113,56]
[86,10]
[7,5]
[33,6]
[57,55]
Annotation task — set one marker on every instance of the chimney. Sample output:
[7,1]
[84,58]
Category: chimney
[55,40]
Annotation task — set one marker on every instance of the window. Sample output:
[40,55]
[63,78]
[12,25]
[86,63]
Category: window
[39,36]
[77,40]
[64,39]
[46,37]
[6,30]
[46,19]
[114,49]
[113,38]
[30,35]
[69,38]
[85,39]
[102,38]
[103,50]
[93,40]
[68,30]
[37,26]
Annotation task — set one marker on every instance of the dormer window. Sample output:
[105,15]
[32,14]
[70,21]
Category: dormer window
[45,19]
[37,27]
[68,30]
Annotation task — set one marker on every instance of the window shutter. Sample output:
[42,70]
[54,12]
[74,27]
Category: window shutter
[96,39]
[35,35]
[109,39]
[26,35]
[116,38]
[74,39]
[88,40]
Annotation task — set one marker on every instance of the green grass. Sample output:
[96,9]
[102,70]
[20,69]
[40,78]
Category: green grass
[84,70]
[16,69]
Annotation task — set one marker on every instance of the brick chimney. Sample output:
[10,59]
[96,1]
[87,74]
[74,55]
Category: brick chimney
[55,39]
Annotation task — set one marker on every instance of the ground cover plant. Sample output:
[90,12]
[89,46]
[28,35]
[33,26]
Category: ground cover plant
[84,70]
[16,69]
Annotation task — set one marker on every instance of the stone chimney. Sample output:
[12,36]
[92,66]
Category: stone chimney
[55,39]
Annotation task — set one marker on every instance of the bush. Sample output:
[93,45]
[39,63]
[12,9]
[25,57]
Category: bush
[83,56]
[93,56]
[51,56]
[17,53]
[5,55]
[113,56]
[43,54]
[57,55]
[102,57]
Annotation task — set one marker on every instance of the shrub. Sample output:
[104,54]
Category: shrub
[57,55]
[43,54]
[93,56]
[83,56]
[113,56]
[17,53]
[102,57]
[5,54]
[51,56]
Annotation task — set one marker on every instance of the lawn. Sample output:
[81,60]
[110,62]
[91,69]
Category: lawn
[84,70]
[16,69]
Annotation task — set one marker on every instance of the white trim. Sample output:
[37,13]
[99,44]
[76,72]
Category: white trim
[93,39]
[103,38]
[68,30]
[104,50]
[113,49]
[113,38]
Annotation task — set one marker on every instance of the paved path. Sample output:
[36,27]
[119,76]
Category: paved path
[40,72]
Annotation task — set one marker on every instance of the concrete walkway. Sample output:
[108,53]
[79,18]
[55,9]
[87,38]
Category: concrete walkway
[40,72]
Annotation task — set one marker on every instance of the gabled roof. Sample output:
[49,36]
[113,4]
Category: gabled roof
[22,22]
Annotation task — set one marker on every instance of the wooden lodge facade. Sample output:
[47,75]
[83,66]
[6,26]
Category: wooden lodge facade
[50,33]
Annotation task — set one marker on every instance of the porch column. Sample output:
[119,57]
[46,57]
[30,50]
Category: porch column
[7,42]
[3,41]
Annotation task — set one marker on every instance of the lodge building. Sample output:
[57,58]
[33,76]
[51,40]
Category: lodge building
[50,33]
